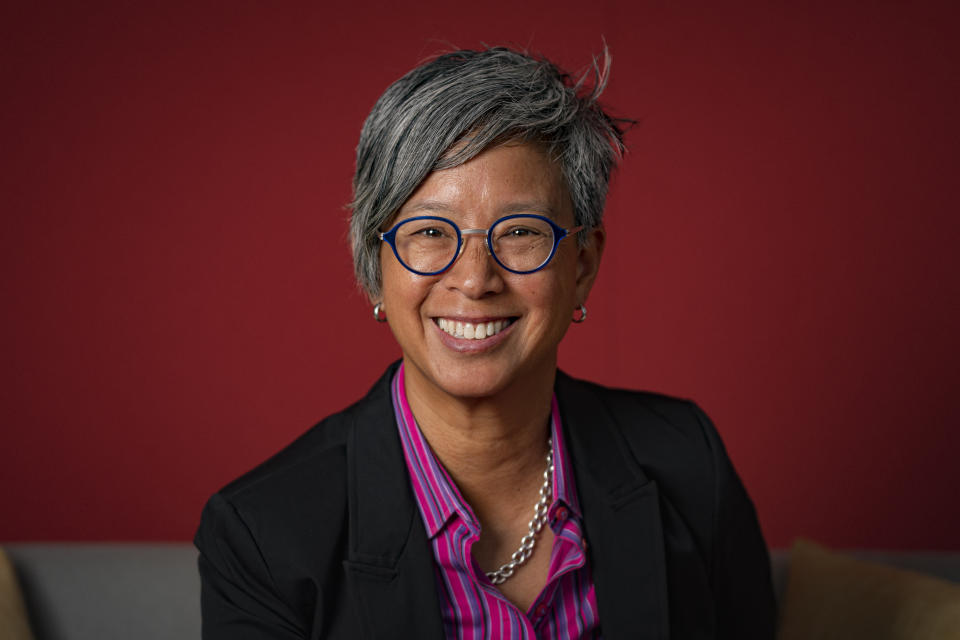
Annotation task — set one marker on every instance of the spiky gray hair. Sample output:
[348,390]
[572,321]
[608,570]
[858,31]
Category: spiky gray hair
[448,110]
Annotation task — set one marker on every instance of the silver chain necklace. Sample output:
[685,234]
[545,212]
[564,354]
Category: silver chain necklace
[521,555]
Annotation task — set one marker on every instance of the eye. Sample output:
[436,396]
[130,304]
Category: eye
[427,230]
[518,232]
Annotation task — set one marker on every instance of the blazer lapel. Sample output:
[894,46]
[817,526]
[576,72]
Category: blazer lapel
[622,518]
[390,563]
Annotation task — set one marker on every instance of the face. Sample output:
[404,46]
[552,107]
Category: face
[528,314]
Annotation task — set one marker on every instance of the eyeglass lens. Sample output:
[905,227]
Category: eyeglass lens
[521,243]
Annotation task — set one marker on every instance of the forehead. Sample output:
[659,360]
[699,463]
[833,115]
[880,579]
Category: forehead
[510,178]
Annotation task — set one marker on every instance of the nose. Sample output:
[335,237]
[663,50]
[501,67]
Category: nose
[474,272]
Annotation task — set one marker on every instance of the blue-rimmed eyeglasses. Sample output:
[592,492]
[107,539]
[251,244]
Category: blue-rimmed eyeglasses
[520,243]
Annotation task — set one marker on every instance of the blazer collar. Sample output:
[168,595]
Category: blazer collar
[621,509]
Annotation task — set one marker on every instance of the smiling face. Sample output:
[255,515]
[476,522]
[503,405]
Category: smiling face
[476,328]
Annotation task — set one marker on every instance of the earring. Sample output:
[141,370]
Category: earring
[583,315]
[377,308]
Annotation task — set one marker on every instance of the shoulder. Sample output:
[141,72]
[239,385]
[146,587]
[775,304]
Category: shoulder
[653,418]
[315,458]
[711,532]
[294,505]
[318,455]
[668,440]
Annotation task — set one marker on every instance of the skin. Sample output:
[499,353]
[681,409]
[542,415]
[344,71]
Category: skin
[484,408]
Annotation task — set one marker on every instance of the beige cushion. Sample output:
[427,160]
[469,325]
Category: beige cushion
[13,615]
[831,595]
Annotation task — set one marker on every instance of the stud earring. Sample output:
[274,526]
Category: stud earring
[377,309]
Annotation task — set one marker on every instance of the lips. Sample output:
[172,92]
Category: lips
[473,330]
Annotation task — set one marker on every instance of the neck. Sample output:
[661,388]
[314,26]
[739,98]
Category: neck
[493,447]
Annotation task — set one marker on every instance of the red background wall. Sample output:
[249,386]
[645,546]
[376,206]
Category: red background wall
[177,290]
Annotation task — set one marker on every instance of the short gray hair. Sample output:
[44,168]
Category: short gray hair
[451,108]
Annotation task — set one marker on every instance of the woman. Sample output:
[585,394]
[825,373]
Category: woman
[477,492]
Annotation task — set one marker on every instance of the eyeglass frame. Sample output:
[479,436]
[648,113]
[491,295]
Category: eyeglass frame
[559,233]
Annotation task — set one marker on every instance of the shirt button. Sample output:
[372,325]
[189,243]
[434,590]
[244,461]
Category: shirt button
[562,513]
[540,611]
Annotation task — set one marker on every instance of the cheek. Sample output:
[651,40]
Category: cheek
[549,294]
[391,276]
[402,292]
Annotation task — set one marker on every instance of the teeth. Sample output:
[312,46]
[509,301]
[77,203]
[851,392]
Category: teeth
[472,331]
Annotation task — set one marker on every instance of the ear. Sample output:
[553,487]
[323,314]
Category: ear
[588,262]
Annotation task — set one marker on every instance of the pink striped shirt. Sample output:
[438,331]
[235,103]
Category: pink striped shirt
[471,606]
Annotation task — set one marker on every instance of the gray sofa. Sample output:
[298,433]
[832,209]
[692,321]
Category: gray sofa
[109,591]
[151,591]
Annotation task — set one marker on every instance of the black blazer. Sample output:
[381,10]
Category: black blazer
[324,540]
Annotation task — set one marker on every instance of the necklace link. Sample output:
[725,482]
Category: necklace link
[521,555]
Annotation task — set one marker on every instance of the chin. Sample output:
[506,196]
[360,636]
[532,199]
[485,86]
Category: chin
[471,382]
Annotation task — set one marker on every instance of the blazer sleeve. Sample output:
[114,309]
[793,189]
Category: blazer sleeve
[741,579]
[238,597]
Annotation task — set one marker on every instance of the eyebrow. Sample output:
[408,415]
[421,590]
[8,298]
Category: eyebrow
[428,205]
